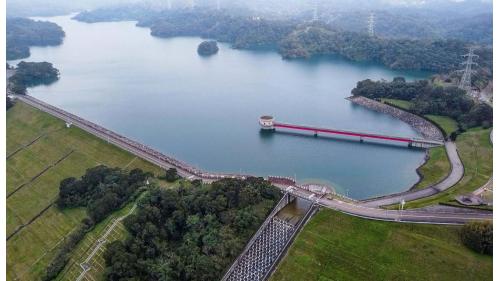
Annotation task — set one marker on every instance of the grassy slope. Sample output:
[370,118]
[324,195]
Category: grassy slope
[435,169]
[446,123]
[334,246]
[476,153]
[84,248]
[400,103]
[438,166]
[29,251]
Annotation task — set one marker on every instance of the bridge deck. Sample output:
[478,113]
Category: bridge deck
[356,134]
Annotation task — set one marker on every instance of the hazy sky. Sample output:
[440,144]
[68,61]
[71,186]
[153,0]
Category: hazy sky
[31,7]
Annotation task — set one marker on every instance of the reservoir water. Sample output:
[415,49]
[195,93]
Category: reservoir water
[204,110]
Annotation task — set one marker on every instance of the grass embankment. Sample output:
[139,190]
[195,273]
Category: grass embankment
[444,122]
[335,246]
[476,153]
[435,169]
[438,165]
[404,104]
[33,183]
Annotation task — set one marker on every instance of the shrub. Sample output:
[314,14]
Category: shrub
[478,236]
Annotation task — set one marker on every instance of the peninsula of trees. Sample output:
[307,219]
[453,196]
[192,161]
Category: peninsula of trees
[30,74]
[427,98]
[208,48]
[23,33]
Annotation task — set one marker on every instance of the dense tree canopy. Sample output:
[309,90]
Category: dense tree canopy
[9,103]
[478,236]
[431,55]
[102,190]
[295,38]
[190,233]
[23,33]
[429,99]
[207,48]
[30,74]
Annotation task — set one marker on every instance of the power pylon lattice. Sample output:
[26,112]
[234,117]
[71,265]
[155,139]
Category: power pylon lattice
[315,12]
[466,81]
[371,24]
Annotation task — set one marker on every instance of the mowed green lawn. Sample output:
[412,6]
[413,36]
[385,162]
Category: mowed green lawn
[399,103]
[446,123]
[335,246]
[476,153]
[435,169]
[30,194]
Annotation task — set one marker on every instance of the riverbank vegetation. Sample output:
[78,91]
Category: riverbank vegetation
[428,99]
[335,246]
[190,233]
[22,33]
[436,168]
[41,152]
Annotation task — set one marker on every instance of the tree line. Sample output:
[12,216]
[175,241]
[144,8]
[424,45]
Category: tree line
[101,190]
[427,98]
[192,232]
[23,33]
[295,39]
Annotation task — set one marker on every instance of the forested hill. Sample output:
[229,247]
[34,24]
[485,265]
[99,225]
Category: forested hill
[418,24]
[294,38]
[439,55]
[23,33]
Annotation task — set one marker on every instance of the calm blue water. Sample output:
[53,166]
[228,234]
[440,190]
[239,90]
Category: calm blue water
[204,111]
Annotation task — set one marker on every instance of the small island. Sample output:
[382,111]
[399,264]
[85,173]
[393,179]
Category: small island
[208,48]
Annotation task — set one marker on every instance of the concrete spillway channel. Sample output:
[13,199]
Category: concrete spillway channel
[269,243]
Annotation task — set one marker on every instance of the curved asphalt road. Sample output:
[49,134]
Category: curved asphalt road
[365,210]
[456,174]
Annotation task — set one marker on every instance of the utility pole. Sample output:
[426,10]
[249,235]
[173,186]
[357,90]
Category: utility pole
[465,81]
[371,24]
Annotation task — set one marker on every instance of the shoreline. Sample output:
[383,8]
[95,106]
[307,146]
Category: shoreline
[424,127]
[418,123]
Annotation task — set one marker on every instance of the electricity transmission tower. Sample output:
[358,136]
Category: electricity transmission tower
[465,81]
[315,11]
[371,24]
